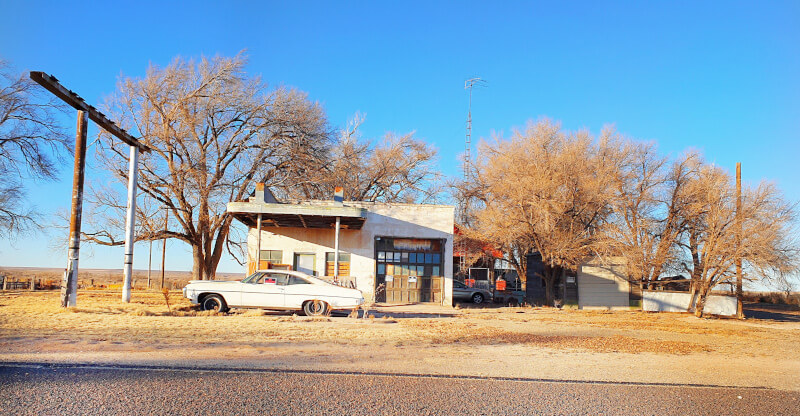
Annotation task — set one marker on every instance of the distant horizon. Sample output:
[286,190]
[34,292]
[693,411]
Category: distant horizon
[107,269]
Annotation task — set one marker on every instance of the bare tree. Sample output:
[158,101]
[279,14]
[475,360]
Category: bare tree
[714,240]
[214,132]
[31,141]
[398,168]
[546,191]
[650,210]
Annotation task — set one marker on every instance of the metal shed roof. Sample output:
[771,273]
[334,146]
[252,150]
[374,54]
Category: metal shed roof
[297,215]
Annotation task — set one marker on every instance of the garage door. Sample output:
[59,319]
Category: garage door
[602,286]
[408,270]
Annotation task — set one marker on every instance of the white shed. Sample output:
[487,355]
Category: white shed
[602,284]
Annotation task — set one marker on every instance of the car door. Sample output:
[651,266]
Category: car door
[267,291]
[460,291]
[298,290]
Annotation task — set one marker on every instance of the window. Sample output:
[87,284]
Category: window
[272,256]
[271,278]
[294,280]
[344,264]
[253,278]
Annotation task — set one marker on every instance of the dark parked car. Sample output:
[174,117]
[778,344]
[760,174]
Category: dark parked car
[470,294]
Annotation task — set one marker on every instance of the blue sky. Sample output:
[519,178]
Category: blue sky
[718,76]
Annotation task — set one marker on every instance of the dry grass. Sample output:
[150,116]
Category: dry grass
[628,320]
[101,316]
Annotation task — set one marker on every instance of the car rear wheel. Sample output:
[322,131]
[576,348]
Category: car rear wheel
[214,303]
[477,298]
[315,308]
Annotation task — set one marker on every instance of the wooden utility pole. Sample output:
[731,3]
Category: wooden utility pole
[149,263]
[69,285]
[739,311]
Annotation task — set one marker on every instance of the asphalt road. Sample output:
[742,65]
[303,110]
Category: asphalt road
[88,390]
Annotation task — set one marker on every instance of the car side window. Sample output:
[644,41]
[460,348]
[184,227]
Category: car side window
[279,279]
[459,285]
[294,280]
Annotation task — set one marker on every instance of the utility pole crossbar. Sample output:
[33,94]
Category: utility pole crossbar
[50,83]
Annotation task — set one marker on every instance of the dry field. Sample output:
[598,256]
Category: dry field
[105,277]
[504,342]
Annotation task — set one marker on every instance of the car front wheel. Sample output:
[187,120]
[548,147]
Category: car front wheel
[214,303]
[477,298]
[315,308]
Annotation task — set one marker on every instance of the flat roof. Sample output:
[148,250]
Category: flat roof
[297,215]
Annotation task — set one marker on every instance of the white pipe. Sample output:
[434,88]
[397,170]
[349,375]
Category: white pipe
[336,249]
[130,222]
[258,245]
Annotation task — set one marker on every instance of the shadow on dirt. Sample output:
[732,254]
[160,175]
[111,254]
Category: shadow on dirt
[772,312]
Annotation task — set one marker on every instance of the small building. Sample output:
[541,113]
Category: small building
[392,252]
[597,283]
[603,283]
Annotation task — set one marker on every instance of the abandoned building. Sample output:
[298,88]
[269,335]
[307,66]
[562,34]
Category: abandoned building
[392,252]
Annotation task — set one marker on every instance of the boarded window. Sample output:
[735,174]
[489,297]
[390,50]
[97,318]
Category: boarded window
[344,264]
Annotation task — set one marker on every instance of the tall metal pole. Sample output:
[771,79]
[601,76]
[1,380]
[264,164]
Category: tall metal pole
[739,310]
[258,244]
[69,285]
[130,222]
[164,245]
[336,249]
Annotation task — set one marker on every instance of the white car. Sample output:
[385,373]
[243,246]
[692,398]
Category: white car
[273,289]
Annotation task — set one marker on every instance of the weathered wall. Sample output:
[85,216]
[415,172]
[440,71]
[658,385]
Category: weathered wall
[663,301]
[383,219]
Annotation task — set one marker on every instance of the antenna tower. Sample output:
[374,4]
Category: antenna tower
[465,206]
[469,85]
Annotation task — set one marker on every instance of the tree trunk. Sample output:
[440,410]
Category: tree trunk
[701,301]
[549,277]
[198,266]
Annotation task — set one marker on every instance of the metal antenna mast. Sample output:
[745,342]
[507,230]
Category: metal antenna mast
[468,85]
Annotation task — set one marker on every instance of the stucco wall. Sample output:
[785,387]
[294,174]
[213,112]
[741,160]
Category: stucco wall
[388,220]
[661,301]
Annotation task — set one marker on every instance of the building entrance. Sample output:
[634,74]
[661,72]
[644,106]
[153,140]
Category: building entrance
[408,270]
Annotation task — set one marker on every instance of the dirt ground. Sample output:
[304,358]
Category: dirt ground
[543,343]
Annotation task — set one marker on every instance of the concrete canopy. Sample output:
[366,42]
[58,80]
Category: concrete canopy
[297,215]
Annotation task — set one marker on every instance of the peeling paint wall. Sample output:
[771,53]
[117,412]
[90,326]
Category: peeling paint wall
[383,220]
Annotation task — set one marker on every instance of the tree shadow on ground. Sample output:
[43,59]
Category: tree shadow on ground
[772,312]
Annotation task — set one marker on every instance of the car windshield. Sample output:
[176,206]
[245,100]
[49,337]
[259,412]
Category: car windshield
[253,277]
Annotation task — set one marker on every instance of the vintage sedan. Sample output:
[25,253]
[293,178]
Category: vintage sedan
[273,289]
